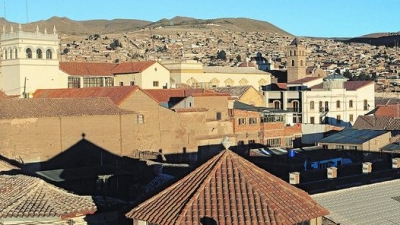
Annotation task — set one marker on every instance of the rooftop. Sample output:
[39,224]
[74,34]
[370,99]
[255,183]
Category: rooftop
[352,136]
[87,68]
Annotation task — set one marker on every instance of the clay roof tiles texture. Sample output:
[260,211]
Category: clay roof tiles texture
[117,94]
[37,108]
[132,67]
[164,95]
[230,190]
[87,68]
[23,196]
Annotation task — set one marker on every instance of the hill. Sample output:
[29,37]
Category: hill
[386,39]
[71,27]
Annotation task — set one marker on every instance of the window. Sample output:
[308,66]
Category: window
[92,82]
[132,83]
[16,53]
[242,121]
[253,120]
[28,53]
[351,104]
[240,143]
[292,62]
[121,83]
[277,104]
[272,118]
[312,120]
[139,119]
[351,118]
[341,147]
[39,54]
[219,116]
[251,142]
[49,54]
[352,147]
[366,105]
[338,104]
[155,84]
[301,62]
[338,119]
[326,106]
[230,112]
[108,81]
[294,52]
[5,54]
[295,106]
[74,82]
[320,106]
[312,105]
[288,142]
[273,142]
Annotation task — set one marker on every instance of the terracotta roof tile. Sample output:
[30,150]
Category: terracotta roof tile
[87,68]
[132,67]
[117,94]
[230,190]
[164,95]
[36,108]
[388,110]
[23,196]
[304,80]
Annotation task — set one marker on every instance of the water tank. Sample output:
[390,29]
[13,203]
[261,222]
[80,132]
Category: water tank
[291,153]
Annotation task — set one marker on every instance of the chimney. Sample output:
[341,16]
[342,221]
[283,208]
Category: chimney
[294,178]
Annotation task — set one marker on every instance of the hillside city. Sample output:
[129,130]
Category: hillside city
[164,124]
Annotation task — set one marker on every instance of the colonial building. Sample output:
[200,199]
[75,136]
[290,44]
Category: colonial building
[30,61]
[196,75]
[296,61]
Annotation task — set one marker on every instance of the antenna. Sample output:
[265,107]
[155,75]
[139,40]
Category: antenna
[27,14]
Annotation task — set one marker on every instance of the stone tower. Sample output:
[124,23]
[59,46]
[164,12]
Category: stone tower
[296,61]
[30,61]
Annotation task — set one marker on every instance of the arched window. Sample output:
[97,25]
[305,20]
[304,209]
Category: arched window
[312,105]
[290,53]
[292,62]
[294,52]
[5,54]
[49,54]
[39,54]
[16,53]
[28,53]
[11,55]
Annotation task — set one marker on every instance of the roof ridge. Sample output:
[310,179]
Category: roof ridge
[216,164]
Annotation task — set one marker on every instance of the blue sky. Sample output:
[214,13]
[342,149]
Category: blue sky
[318,18]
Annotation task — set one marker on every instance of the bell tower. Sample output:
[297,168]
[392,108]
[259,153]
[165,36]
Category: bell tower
[296,61]
[29,61]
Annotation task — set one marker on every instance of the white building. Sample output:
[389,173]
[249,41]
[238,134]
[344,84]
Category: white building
[195,74]
[30,61]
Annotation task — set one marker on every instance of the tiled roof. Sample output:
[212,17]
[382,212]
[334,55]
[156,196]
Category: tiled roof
[36,108]
[132,67]
[388,110]
[236,91]
[304,80]
[349,85]
[183,110]
[230,190]
[117,94]
[23,196]
[377,123]
[233,70]
[87,68]
[164,95]
[2,95]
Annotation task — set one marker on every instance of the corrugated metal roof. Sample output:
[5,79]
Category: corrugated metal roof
[370,204]
[352,136]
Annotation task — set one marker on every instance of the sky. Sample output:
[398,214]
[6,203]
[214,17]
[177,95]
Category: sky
[316,18]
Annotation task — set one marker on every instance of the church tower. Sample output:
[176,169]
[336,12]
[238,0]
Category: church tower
[296,61]
[29,61]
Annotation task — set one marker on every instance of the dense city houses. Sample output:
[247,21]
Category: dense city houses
[174,128]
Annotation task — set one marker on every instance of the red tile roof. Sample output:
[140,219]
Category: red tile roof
[87,68]
[230,190]
[23,196]
[2,95]
[51,107]
[183,110]
[388,110]
[304,80]
[117,94]
[164,95]
[132,67]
